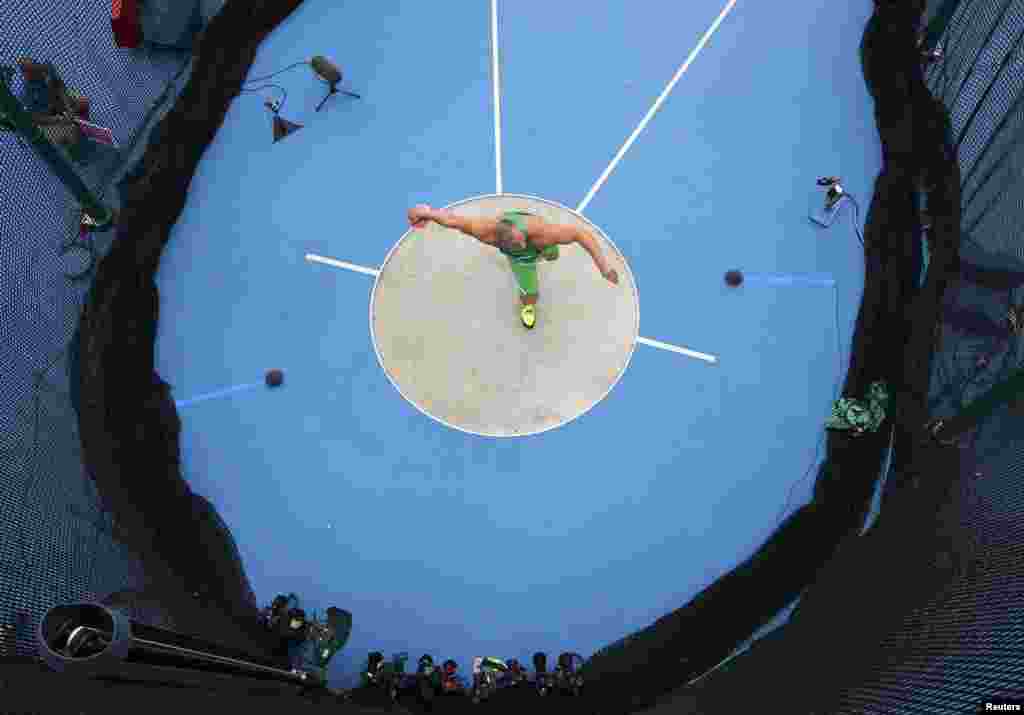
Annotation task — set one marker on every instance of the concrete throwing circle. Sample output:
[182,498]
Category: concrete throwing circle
[444,320]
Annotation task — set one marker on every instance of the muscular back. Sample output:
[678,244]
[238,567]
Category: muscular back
[541,233]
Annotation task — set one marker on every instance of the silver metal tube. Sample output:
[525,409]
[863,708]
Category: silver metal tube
[95,641]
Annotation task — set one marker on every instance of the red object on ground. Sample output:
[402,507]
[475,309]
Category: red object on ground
[98,134]
[124,19]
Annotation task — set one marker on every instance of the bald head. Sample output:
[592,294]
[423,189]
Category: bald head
[509,237]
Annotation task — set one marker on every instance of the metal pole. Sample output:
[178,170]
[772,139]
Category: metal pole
[14,118]
[91,640]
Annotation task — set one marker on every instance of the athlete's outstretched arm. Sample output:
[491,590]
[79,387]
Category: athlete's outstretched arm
[589,244]
[419,215]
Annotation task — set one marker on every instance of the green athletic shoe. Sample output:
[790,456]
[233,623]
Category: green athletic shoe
[529,316]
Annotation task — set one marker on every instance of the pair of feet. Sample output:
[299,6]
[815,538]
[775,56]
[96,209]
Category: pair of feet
[528,314]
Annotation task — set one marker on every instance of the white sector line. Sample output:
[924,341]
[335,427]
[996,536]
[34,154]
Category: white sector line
[313,258]
[497,95]
[657,105]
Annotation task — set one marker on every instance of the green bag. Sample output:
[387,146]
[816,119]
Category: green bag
[860,416]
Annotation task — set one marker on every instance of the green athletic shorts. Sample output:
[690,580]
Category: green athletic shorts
[526,272]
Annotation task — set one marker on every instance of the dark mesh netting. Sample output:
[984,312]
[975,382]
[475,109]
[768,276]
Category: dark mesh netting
[919,614]
[82,465]
[980,81]
[959,647]
[58,544]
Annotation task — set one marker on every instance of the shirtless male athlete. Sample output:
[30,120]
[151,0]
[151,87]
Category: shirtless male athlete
[522,237]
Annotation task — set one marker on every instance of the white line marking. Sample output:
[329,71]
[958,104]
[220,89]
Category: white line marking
[657,105]
[645,341]
[341,264]
[676,349]
[497,94]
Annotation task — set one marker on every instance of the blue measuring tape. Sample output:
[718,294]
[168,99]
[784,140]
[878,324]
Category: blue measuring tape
[821,280]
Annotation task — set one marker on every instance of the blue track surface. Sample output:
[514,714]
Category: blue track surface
[442,542]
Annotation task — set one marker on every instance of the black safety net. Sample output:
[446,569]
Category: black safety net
[916,615]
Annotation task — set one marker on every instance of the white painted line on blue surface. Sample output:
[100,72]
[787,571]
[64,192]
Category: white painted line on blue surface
[657,105]
[342,264]
[645,341]
[676,349]
[497,95]
[219,393]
